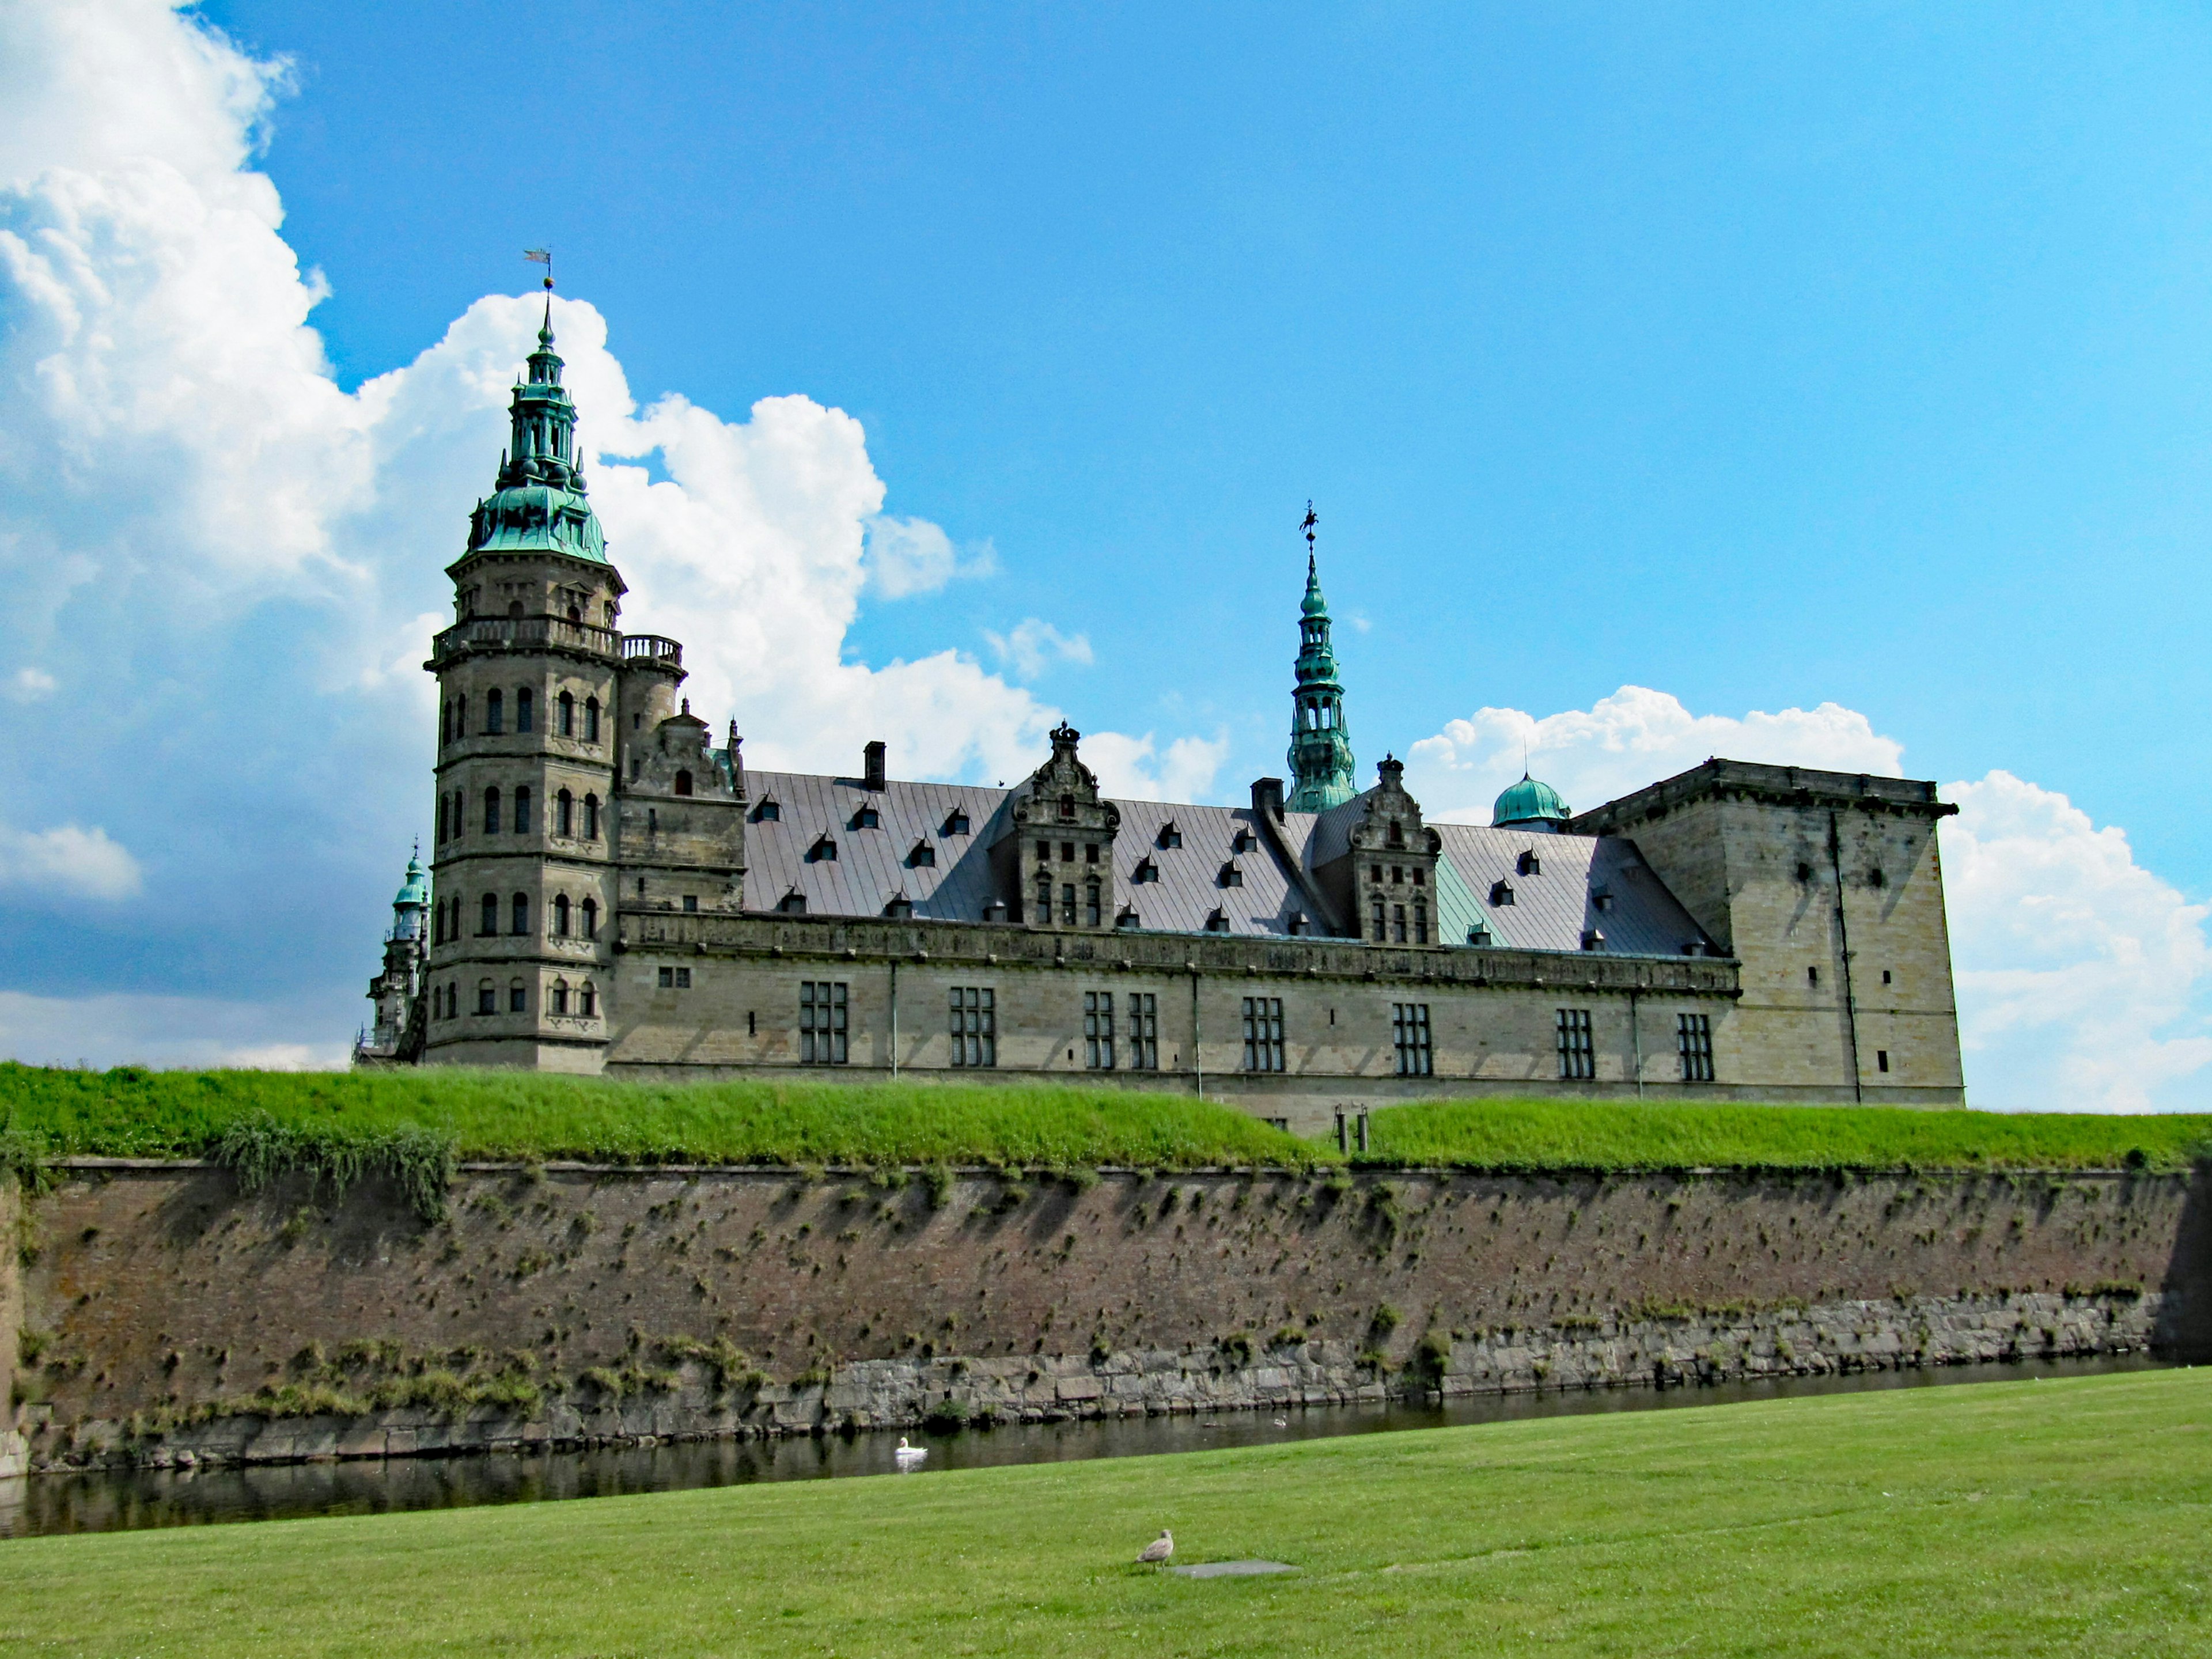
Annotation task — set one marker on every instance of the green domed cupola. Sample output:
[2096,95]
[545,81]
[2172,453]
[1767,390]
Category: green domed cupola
[539,506]
[1321,742]
[1530,804]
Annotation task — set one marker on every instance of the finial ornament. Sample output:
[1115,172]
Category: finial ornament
[1307,524]
[541,256]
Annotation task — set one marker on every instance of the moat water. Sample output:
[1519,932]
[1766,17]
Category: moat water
[120,1500]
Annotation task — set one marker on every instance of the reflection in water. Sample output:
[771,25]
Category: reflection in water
[163,1498]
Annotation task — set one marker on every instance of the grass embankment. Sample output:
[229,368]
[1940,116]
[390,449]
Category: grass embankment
[131,1112]
[2022,1518]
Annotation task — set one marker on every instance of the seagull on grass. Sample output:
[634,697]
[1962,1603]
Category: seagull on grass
[1158,1550]
[909,1457]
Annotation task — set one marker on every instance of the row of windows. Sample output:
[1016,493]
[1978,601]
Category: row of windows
[574,819]
[581,998]
[1093,906]
[566,711]
[1390,923]
[566,920]
[973,1026]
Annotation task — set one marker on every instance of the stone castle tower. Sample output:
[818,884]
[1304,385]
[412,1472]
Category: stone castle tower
[565,767]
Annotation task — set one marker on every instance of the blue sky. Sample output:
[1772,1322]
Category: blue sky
[1765,358]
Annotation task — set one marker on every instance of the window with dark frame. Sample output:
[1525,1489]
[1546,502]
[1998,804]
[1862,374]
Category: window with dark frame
[1577,1052]
[823,1015]
[523,710]
[486,997]
[1263,1034]
[1409,1033]
[975,1025]
[1098,1030]
[1144,1027]
[1693,1042]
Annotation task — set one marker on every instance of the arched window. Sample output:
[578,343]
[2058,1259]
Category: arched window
[522,823]
[442,804]
[560,996]
[588,1000]
[446,722]
[491,811]
[567,702]
[518,997]
[494,713]
[520,912]
[461,715]
[438,926]
[591,918]
[514,610]
[565,813]
[682,783]
[560,915]
[590,719]
[486,997]
[523,709]
[490,917]
[575,614]
[591,817]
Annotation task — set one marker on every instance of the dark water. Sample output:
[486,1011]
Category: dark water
[130,1498]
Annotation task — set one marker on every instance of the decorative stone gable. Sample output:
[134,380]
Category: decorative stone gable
[1394,865]
[1062,831]
[682,824]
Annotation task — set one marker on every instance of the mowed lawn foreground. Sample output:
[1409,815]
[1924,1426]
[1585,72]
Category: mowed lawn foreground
[2071,1516]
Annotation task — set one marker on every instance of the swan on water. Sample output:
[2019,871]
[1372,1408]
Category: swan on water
[909,1457]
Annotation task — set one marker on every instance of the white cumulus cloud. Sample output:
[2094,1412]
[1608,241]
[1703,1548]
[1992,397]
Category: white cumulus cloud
[907,556]
[30,685]
[1033,645]
[68,862]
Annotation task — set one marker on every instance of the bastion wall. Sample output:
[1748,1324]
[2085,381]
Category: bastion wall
[165,1315]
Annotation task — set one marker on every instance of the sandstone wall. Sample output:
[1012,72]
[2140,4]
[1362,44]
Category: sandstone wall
[571,1303]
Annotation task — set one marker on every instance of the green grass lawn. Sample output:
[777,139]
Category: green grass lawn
[131,1112]
[2016,1518]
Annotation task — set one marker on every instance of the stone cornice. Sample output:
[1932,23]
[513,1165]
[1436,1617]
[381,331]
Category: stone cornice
[1770,786]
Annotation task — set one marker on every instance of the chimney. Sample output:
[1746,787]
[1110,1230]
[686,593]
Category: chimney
[872,767]
[1268,797]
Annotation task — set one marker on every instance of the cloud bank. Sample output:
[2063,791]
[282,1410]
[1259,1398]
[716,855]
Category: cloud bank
[224,570]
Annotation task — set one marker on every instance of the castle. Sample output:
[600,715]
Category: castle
[611,891]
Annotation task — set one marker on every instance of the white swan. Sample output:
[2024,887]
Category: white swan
[909,1457]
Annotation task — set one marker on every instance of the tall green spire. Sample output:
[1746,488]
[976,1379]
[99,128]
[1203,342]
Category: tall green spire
[539,504]
[1320,743]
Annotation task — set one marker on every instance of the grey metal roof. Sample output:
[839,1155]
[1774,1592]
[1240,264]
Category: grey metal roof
[1552,909]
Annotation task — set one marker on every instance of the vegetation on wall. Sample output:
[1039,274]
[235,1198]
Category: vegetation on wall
[408,1125]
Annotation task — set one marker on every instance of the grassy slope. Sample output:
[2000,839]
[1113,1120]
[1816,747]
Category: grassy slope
[2027,1518]
[131,1112]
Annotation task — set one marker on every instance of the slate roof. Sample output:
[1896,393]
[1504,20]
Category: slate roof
[1551,911]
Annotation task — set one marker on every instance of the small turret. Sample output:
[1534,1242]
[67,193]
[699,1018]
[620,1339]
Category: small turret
[1530,804]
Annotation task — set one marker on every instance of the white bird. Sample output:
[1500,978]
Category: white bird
[1158,1550]
[909,1457]
[1282,1422]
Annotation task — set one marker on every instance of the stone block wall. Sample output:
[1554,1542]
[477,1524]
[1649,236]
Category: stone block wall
[171,1315]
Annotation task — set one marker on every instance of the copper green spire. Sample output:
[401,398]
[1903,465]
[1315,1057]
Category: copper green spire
[1320,743]
[539,506]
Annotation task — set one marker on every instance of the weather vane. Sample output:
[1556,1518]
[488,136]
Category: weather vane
[1307,524]
[541,256]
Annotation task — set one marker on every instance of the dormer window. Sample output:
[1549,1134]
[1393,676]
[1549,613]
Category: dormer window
[1501,892]
[1146,871]
[1479,937]
[957,823]
[1127,918]
[924,856]
[1602,898]
[1230,875]
[1593,940]
[1297,922]
[1218,922]
[825,851]
[866,818]
[1240,840]
[768,811]
[1528,864]
[793,903]
[994,910]
[901,909]
[1169,836]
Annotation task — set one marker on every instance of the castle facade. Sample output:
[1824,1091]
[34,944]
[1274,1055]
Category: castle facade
[612,890]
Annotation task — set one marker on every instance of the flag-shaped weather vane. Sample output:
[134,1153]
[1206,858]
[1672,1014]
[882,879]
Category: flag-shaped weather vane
[541,256]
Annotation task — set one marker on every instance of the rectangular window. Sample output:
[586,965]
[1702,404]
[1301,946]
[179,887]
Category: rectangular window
[676,979]
[975,1025]
[1098,1030]
[1143,1009]
[1263,1034]
[1067,902]
[1693,1041]
[1577,1055]
[1881,1059]
[822,1027]
[1409,1031]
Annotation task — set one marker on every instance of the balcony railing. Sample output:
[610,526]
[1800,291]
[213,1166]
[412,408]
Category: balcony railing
[553,634]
